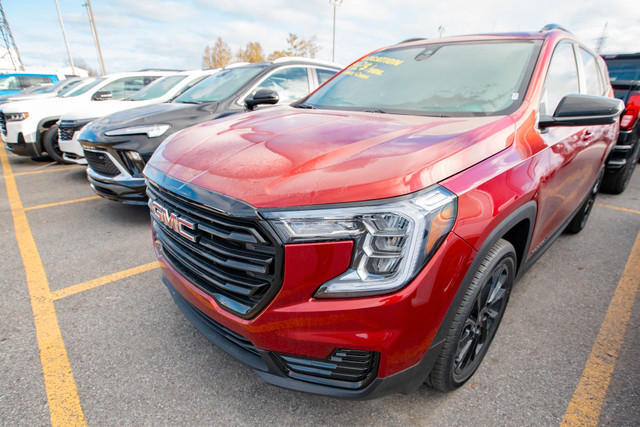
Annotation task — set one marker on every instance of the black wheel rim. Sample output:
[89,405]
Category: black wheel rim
[55,144]
[482,323]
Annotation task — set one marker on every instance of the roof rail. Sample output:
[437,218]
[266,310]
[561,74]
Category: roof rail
[550,27]
[413,39]
[300,58]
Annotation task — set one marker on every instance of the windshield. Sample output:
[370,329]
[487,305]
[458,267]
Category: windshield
[84,89]
[219,86]
[73,85]
[447,79]
[157,88]
[623,69]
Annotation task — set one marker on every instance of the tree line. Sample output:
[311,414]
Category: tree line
[220,55]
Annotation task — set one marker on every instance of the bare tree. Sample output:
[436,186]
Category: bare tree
[217,56]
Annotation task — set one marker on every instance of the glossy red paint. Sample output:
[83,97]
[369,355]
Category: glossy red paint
[296,323]
[284,157]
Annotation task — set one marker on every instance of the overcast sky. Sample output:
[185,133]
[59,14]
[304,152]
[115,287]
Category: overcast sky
[136,34]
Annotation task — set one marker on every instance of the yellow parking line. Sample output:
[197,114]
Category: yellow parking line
[602,205]
[66,202]
[81,287]
[588,398]
[60,169]
[60,386]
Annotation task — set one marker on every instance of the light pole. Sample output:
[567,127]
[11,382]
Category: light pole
[66,42]
[335,4]
[95,35]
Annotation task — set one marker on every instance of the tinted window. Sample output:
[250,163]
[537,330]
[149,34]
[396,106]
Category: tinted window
[474,78]
[127,86]
[158,88]
[9,82]
[290,83]
[591,73]
[562,78]
[26,81]
[324,75]
[219,86]
[84,89]
[623,69]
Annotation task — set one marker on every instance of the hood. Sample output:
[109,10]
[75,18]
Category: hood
[93,109]
[176,114]
[291,157]
[49,105]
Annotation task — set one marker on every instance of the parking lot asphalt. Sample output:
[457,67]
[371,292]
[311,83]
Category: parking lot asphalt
[90,335]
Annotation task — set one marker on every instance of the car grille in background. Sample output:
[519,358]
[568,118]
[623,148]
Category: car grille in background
[3,123]
[100,162]
[66,129]
[234,260]
[344,368]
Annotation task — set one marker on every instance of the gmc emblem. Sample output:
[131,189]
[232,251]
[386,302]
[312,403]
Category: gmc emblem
[173,221]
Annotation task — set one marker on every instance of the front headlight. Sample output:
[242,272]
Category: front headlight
[15,117]
[152,131]
[392,241]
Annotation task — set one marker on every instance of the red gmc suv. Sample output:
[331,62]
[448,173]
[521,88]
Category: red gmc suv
[366,238]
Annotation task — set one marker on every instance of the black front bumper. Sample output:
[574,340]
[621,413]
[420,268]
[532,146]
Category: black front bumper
[29,149]
[131,191]
[269,367]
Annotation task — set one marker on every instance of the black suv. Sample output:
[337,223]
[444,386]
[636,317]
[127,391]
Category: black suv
[624,73]
[118,146]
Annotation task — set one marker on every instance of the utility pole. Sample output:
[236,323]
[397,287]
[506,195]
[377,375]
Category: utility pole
[66,42]
[9,41]
[95,35]
[335,4]
[441,30]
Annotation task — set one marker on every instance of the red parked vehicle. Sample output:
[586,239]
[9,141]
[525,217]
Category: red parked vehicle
[365,239]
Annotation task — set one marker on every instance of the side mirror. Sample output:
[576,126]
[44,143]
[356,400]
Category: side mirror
[262,96]
[102,95]
[583,110]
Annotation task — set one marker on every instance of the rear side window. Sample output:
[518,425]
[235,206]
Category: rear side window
[290,83]
[562,78]
[591,73]
[324,75]
[26,81]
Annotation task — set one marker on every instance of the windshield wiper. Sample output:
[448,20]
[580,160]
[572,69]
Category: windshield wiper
[308,106]
[189,102]
[375,111]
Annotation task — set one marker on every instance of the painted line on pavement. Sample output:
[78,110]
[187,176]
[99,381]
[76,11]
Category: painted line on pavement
[81,287]
[60,169]
[60,385]
[66,202]
[586,404]
[617,208]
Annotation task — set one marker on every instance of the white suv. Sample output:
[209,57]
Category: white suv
[28,126]
[162,90]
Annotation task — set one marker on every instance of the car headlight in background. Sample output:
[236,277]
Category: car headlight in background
[392,241]
[15,117]
[152,131]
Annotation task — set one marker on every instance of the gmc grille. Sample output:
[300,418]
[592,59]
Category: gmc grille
[67,129]
[234,260]
[3,123]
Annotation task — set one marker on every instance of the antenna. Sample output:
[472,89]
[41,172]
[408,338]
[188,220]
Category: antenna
[8,43]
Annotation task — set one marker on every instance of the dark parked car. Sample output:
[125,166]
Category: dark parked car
[624,72]
[118,146]
[367,237]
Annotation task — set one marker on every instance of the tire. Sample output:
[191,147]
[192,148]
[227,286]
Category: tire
[617,182]
[580,218]
[476,320]
[50,142]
